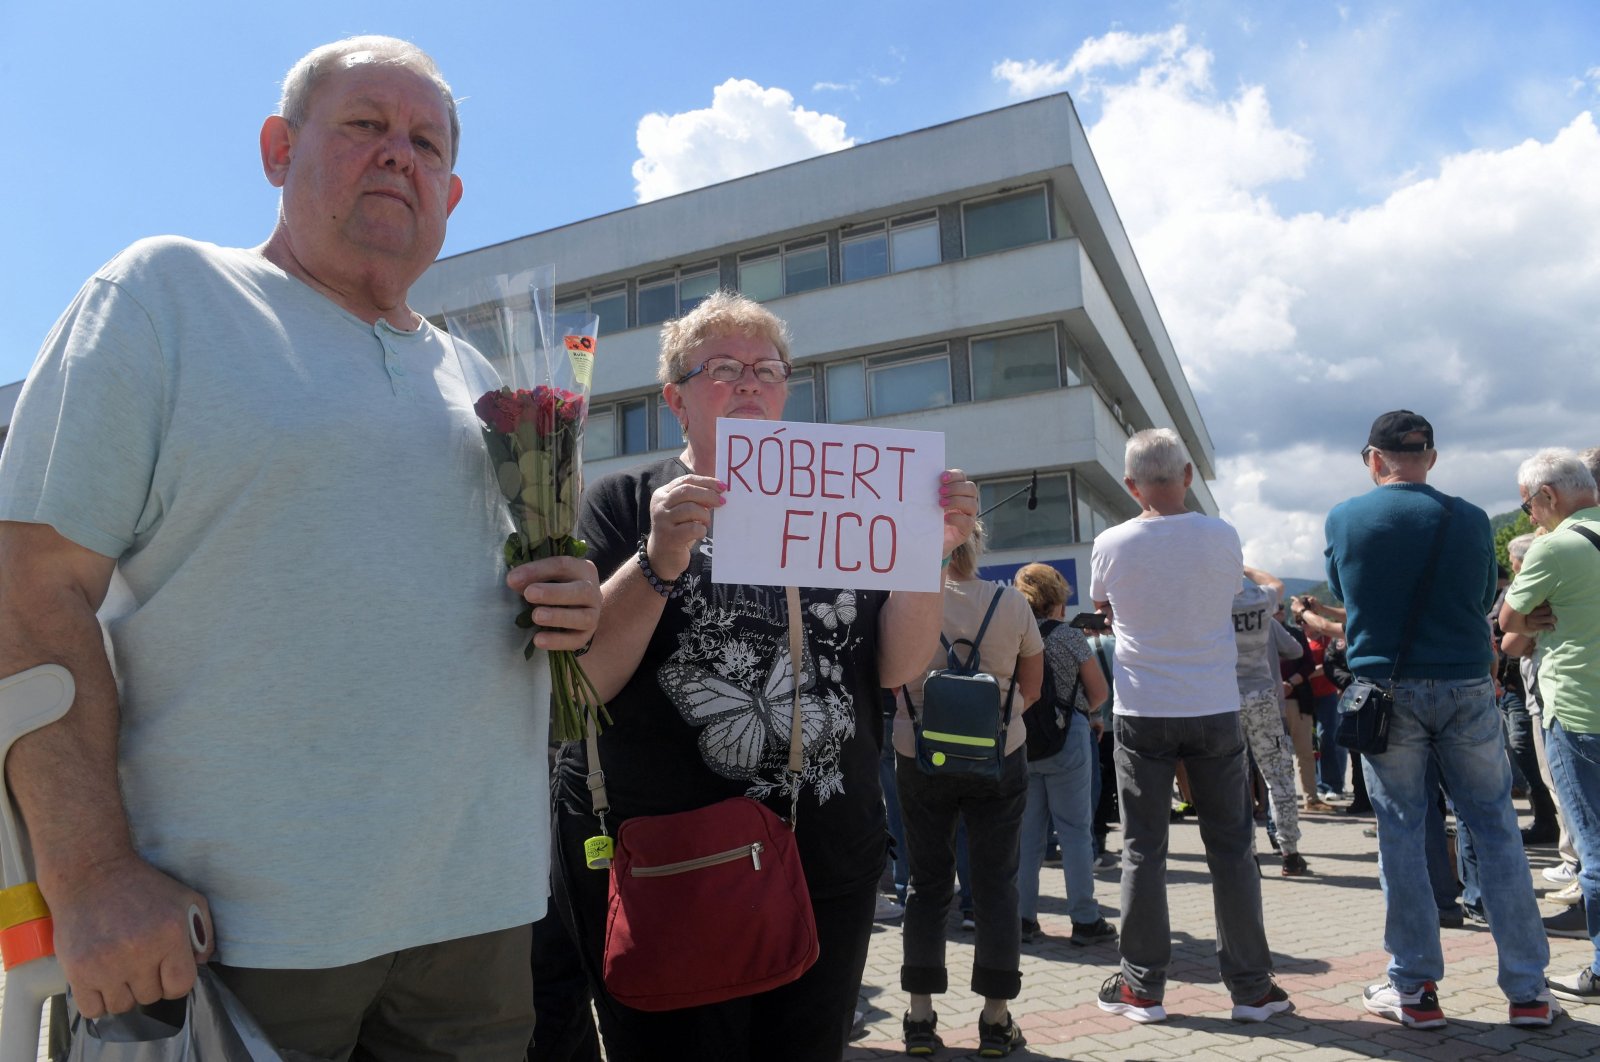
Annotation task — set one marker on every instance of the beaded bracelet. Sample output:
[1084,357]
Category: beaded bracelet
[666,590]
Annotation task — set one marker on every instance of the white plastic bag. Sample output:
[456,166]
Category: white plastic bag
[210,1025]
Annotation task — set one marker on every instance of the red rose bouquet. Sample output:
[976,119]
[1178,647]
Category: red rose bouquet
[533,430]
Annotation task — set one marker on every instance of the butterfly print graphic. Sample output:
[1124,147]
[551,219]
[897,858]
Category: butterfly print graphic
[743,727]
[841,612]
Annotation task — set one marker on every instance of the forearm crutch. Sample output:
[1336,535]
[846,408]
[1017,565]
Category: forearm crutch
[33,699]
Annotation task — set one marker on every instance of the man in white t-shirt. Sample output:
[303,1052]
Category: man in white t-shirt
[1167,579]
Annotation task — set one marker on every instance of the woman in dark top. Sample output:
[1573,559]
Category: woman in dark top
[698,679]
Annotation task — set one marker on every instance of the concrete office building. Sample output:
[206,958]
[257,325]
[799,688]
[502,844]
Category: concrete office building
[971,278]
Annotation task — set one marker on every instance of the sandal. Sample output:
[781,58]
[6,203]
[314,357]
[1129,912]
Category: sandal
[920,1037]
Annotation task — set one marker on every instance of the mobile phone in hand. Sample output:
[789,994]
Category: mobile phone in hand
[1089,621]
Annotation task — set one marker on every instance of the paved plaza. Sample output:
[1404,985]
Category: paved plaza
[1326,933]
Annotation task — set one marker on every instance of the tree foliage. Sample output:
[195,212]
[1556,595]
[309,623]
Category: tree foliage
[1520,526]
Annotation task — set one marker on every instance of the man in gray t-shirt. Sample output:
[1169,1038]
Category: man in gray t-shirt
[314,728]
[1260,706]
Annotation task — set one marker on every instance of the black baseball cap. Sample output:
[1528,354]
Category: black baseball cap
[1390,430]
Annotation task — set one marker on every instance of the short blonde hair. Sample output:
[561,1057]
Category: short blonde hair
[1045,588]
[964,558]
[723,313]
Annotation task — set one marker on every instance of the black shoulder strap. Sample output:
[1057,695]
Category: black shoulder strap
[1594,539]
[977,639]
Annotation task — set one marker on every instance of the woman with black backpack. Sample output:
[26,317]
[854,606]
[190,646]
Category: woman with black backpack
[1061,747]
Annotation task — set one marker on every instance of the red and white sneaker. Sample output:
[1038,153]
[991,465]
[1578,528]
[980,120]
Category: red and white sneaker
[1419,1010]
[1117,998]
[1543,1010]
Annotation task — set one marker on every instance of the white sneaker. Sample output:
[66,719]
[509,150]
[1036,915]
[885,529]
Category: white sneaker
[1560,874]
[1569,896]
[889,910]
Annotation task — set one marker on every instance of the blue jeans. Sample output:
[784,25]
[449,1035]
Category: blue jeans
[1331,755]
[1575,766]
[1061,789]
[1456,721]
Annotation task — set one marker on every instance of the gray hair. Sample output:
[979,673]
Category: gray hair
[304,76]
[1517,548]
[1155,455]
[1591,458]
[1558,468]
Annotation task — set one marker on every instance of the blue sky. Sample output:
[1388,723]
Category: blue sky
[1269,160]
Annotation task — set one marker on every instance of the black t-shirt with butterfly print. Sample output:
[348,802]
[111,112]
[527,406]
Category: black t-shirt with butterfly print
[707,714]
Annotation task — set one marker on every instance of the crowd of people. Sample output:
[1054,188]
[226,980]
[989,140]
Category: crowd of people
[360,823]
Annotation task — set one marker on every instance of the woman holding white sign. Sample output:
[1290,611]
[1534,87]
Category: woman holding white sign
[702,687]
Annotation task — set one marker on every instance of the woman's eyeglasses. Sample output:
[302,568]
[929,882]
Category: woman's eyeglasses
[731,370]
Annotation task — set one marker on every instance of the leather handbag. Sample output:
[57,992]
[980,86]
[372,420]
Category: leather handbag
[1365,707]
[710,904]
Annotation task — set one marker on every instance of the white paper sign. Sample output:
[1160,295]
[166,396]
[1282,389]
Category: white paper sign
[828,505]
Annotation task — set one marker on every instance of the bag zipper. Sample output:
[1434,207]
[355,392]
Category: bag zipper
[750,851]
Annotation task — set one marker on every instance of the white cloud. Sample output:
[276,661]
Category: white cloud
[747,128]
[1115,49]
[1466,293]
[834,86]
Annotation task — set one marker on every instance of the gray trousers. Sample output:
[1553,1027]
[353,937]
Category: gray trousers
[1212,748]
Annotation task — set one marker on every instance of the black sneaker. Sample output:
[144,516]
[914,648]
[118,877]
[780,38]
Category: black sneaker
[1030,931]
[1573,923]
[1452,919]
[1276,1001]
[919,1035]
[1000,1039]
[1294,866]
[1581,989]
[1096,932]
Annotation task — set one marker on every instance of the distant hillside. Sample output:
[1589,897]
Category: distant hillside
[1296,587]
[1504,519]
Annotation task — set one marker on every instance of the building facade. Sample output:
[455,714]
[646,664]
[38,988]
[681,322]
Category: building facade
[972,278]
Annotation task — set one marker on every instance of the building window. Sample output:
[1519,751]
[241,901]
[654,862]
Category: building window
[906,243]
[886,384]
[1014,526]
[658,299]
[914,242]
[802,402]
[761,274]
[668,295]
[669,433]
[600,433]
[864,254]
[1014,364]
[799,266]
[847,391]
[696,286]
[805,265]
[635,421]
[915,379]
[1004,222]
[611,306]
[1094,515]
